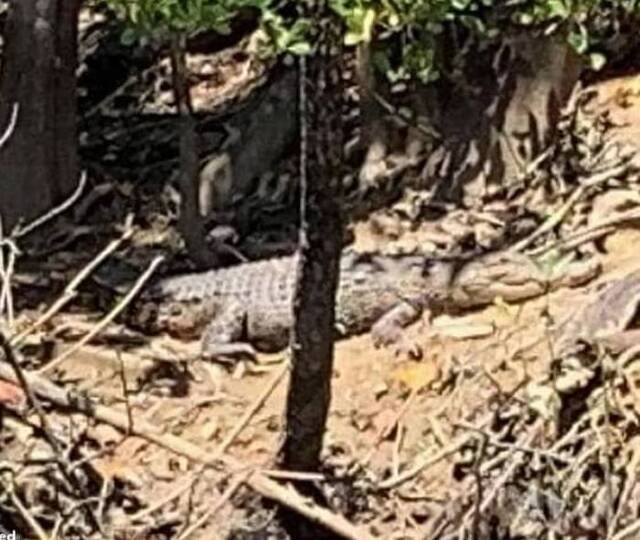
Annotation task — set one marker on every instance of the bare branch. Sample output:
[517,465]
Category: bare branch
[71,290]
[107,319]
[257,480]
[20,231]
[26,515]
[13,120]
[6,272]
[228,493]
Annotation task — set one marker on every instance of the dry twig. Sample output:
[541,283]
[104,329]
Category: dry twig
[6,269]
[11,126]
[589,234]
[386,430]
[6,273]
[286,496]
[108,318]
[630,484]
[556,218]
[222,448]
[228,493]
[71,290]
[26,515]
[19,376]
[19,231]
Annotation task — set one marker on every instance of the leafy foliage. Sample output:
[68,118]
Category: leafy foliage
[410,29]
[416,24]
[158,18]
[279,35]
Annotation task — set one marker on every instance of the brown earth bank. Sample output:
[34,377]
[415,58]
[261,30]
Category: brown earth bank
[415,448]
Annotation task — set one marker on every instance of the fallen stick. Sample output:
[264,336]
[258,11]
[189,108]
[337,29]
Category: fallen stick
[107,319]
[426,460]
[386,430]
[71,290]
[6,274]
[11,126]
[19,231]
[587,234]
[286,496]
[35,527]
[222,448]
[558,216]
[22,230]
[228,493]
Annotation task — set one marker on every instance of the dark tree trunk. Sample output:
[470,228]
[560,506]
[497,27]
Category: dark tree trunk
[39,164]
[320,244]
[191,225]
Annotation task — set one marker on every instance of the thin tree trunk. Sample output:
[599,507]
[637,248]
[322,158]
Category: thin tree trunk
[39,164]
[320,244]
[374,137]
[190,223]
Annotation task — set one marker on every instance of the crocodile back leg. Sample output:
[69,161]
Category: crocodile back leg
[270,316]
[224,334]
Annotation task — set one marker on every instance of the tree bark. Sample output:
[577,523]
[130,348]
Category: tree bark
[39,164]
[319,253]
[190,224]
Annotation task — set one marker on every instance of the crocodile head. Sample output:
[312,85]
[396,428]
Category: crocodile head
[184,320]
[160,309]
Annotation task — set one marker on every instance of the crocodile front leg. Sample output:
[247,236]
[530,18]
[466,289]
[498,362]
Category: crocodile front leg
[223,335]
[388,330]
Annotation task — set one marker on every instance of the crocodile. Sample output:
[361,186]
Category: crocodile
[248,307]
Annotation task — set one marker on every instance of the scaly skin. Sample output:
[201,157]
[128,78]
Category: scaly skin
[252,303]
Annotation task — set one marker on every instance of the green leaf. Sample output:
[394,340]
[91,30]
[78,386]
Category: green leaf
[367,24]
[301,48]
[558,8]
[579,40]
[128,37]
[352,38]
[408,30]
[526,19]
[597,61]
